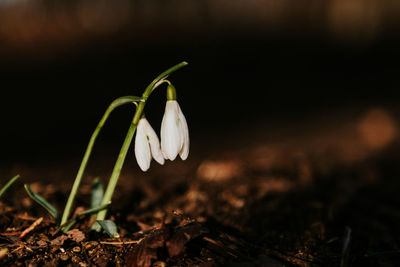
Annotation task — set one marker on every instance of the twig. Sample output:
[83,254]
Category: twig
[26,217]
[31,228]
[212,241]
[289,257]
[120,243]
[216,243]
[17,249]
[11,233]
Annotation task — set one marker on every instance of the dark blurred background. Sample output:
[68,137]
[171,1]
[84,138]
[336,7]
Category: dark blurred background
[251,63]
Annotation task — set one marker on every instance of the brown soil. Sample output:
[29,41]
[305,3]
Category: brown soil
[320,196]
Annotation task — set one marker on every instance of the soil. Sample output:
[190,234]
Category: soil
[310,195]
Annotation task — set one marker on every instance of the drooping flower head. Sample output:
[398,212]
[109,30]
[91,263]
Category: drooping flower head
[174,129]
[147,145]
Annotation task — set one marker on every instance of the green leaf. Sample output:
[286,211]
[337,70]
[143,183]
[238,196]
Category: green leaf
[8,184]
[97,194]
[70,223]
[67,225]
[94,210]
[50,208]
[116,103]
[109,227]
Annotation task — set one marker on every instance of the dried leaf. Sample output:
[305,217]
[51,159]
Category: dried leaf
[76,235]
[41,243]
[179,239]
[59,241]
[146,251]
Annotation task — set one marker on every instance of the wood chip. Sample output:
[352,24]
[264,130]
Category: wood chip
[32,227]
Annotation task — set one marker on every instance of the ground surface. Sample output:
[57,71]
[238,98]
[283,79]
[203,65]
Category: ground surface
[297,195]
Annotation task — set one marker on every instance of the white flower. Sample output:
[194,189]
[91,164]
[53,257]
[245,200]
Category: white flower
[147,145]
[174,132]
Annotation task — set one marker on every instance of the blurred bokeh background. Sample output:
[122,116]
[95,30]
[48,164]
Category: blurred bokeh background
[253,64]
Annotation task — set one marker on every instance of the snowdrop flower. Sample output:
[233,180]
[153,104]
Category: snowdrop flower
[174,132]
[147,145]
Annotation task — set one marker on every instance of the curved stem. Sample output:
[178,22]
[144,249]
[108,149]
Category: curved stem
[128,139]
[116,103]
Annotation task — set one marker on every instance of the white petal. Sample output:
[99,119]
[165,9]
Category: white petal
[184,152]
[154,143]
[171,139]
[142,147]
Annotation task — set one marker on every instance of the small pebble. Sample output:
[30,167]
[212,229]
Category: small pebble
[75,259]
[76,249]
[90,244]
[64,257]
[91,252]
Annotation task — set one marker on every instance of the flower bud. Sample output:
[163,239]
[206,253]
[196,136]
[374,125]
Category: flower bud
[174,132]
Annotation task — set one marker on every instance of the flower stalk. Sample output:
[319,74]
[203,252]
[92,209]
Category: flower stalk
[129,136]
[116,103]
[149,146]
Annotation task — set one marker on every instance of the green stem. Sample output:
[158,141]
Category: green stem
[117,169]
[116,103]
[129,136]
[8,184]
